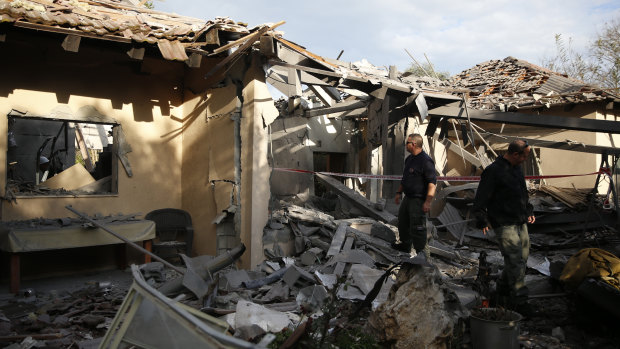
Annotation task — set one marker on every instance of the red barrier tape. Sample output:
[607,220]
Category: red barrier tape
[605,171]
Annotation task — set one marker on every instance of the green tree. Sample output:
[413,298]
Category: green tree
[569,62]
[600,66]
[427,69]
[606,56]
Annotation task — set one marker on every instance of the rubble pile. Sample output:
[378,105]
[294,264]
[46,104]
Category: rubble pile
[329,281]
[323,271]
[60,319]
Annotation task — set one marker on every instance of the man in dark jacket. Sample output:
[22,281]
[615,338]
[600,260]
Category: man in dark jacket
[502,203]
[418,185]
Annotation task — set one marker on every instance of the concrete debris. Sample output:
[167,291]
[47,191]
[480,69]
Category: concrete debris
[419,313]
[311,298]
[55,318]
[248,314]
[343,271]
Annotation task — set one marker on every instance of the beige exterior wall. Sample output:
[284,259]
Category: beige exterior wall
[560,162]
[258,112]
[208,155]
[181,133]
[144,97]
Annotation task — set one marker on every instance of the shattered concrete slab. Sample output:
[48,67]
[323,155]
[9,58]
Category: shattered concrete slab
[419,313]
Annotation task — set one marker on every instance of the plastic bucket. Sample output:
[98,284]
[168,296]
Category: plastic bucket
[493,328]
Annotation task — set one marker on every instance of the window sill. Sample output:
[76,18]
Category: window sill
[39,196]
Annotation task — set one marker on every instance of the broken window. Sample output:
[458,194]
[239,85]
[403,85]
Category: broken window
[59,157]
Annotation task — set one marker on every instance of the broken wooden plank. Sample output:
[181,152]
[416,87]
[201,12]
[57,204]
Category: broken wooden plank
[515,118]
[564,145]
[339,107]
[569,196]
[248,38]
[378,245]
[356,199]
[245,44]
[325,98]
[79,137]
[457,149]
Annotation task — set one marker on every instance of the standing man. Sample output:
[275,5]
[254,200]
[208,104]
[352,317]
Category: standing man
[502,203]
[418,185]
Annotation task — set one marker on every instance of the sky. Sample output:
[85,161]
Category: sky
[454,34]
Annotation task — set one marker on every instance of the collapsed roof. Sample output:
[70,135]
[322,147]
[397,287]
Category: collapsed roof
[119,21]
[512,84]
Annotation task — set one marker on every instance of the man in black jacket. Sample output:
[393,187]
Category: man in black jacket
[418,185]
[502,203]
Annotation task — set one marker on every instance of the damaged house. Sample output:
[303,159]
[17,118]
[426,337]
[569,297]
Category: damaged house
[169,108]
[114,111]
[563,118]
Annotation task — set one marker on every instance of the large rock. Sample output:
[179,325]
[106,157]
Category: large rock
[420,311]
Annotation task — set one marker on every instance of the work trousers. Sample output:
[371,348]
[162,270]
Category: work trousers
[412,223]
[514,243]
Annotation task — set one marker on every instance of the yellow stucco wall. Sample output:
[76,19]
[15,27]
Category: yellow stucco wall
[208,148]
[143,96]
[558,162]
[258,111]
[180,131]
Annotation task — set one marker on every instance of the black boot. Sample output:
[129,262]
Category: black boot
[502,296]
[402,247]
[527,310]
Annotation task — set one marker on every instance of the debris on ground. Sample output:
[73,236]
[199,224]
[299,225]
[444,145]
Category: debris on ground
[332,278]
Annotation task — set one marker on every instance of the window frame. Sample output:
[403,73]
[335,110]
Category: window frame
[68,119]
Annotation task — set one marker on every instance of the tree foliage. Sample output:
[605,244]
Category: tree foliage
[427,69]
[599,66]
[568,61]
[606,56]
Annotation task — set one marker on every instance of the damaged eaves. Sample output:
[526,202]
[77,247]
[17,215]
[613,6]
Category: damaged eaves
[172,34]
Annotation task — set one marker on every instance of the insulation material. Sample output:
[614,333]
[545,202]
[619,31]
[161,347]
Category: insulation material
[72,178]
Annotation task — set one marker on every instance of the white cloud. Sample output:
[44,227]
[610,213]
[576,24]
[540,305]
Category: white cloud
[454,34]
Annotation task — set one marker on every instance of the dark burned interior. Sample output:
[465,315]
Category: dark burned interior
[39,149]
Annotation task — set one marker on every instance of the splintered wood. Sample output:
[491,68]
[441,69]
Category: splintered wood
[570,196]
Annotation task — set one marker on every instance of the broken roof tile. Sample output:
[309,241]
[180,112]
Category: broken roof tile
[513,84]
[109,18]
